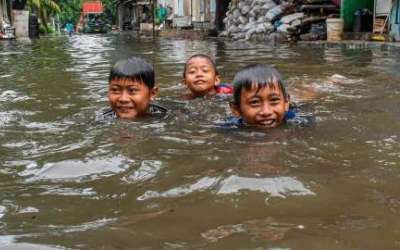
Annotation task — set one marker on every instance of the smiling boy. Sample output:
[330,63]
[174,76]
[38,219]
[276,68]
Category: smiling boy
[131,89]
[260,98]
[201,77]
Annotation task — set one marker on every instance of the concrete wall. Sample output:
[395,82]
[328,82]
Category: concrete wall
[120,19]
[21,23]
[196,10]
[187,8]
[213,6]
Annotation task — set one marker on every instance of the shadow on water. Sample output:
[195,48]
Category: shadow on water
[182,181]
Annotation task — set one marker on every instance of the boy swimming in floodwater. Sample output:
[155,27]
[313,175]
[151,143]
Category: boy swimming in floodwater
[132,89]
[260,98]
[201,77]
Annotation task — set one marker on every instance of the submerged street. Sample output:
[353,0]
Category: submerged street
[183,181]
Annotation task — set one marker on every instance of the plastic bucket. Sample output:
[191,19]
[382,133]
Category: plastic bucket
[334,29]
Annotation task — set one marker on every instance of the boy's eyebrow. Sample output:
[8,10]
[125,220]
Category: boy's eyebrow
[257,95]
[192,63]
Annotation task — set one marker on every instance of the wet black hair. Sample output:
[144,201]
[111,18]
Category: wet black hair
[200,56]
[134,69]
[259,74]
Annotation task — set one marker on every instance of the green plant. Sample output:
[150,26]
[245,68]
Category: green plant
[44,9]
[70,11]
[110,10]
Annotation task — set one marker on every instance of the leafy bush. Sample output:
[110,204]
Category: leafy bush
[42,30]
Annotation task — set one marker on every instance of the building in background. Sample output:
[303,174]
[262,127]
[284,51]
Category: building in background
[197,14]
[135,14]
[7,31]
[395,21]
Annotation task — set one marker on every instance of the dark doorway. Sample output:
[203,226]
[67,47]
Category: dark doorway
[220,13]
[18,4]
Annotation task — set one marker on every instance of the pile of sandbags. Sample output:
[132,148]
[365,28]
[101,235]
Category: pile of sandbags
[269,19]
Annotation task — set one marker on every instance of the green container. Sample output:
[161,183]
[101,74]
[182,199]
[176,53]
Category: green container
[349,7]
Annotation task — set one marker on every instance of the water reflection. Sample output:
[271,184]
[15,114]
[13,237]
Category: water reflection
[264,230]
[275,187]
[147,170]
[78,170]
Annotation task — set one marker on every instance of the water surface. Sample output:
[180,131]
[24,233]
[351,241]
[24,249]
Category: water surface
[181,182]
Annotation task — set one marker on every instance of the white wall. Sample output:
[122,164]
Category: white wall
[213,6]
[21,23]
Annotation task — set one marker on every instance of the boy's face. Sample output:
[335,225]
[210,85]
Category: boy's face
[265,107]
[130,99]
[200,76]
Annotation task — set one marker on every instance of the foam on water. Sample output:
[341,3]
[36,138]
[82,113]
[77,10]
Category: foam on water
[91,225]
[29,210]
[70,191]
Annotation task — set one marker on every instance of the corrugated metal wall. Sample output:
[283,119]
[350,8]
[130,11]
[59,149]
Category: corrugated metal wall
[395,23]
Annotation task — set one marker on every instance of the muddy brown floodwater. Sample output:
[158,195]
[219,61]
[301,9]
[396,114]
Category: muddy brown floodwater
[182,181]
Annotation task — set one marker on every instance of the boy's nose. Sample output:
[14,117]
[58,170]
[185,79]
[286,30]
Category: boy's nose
[124,96]
[199,74]
[266,109]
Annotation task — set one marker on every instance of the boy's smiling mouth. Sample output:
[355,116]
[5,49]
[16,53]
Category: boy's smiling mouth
[200,82]
[268,123]
[124,109]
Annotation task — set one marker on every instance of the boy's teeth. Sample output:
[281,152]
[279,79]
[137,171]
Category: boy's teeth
[267,122]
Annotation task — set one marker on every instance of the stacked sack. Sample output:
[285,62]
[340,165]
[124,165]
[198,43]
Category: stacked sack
[269,19]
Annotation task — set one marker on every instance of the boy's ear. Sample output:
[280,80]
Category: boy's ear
[217,80]
[183,81]
[287,103]
[153,93]
[235,109]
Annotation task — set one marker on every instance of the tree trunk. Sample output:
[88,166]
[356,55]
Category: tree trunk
[43,19]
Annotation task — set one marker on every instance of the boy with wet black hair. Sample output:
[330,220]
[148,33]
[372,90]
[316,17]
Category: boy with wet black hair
[132,89]
[201,77]
[260,98]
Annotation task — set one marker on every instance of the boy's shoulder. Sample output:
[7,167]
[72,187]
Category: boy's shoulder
[299,118]
[224,88]
[106,114]
[157,109]
[292,116]
[109,114]
[233,122]
[291,113]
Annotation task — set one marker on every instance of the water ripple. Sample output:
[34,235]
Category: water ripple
[275,187]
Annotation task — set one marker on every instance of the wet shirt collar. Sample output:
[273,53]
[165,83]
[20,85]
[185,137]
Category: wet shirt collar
[235,121]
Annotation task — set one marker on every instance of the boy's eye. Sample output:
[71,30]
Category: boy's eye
[275,100]
[254,103]
[133,90]
[114,89]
